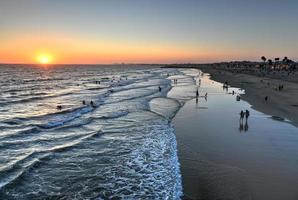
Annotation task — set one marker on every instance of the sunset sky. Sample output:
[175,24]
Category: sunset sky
[146,31]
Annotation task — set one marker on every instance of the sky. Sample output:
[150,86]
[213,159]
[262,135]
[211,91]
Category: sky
[146,31]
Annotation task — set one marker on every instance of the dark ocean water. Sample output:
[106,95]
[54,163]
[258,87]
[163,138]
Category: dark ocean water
[123,148]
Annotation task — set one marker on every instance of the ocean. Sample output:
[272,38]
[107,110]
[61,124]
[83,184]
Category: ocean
[123,147]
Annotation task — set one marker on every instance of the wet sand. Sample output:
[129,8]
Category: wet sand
[222,158]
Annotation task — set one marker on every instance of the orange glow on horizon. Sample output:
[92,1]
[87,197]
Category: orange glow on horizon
[44,59]
[68,49]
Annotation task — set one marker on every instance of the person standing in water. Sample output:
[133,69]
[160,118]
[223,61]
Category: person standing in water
[197,96]
[159,88]
[92,104]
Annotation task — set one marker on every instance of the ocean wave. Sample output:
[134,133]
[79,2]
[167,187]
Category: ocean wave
[165,107]
[133,155]
[34,98]
[14,170]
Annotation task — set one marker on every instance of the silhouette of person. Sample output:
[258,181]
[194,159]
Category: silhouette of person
[159,88]
[266,99]
[246,114]
[241,115]
[92,103]
[238,98]
[84,102]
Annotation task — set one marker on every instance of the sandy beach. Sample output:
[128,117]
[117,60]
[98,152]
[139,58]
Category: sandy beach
[281,103]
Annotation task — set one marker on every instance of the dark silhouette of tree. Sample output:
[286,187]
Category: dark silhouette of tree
[276,62]
[270,62]
[285,60]
[264,60]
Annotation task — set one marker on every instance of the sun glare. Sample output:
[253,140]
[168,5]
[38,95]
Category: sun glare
[44,59]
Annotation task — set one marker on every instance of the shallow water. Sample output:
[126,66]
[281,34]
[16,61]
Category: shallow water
[122,148]
[230,159]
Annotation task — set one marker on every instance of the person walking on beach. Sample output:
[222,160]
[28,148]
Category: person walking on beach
[266,99]
[197,93]
[241,115]
[246,114]
[84,102]
[238,98]
[159,88]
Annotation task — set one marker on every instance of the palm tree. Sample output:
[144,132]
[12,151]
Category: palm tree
[285,60]
[264,60]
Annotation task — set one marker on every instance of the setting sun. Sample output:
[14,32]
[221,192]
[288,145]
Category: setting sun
[44,59]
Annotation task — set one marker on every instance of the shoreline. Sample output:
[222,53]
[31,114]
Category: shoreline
[281,104]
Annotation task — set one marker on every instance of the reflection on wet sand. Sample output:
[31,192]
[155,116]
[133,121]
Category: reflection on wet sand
[219,163]
[243,127]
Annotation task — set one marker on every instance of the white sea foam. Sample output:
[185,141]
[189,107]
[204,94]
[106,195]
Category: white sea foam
[123,148]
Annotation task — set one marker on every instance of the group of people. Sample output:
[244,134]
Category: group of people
[175,81]
[198,95]
[280,87]
[244,114]
[92,104]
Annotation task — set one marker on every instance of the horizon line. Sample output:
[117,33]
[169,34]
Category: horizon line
[191,63]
